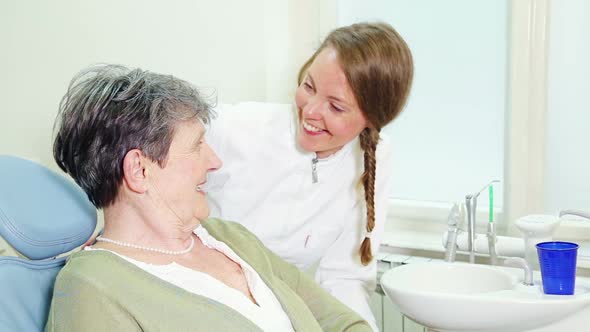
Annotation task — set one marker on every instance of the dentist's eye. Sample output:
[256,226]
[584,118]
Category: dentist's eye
[336,108]
[307,86]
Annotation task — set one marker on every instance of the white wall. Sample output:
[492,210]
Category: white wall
[245,50]
[567,173]
[449,141]
[251,50]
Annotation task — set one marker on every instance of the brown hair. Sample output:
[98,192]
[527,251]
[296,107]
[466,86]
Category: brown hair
[379,68]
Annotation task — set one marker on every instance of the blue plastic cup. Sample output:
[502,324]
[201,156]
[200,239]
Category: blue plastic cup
[558,266]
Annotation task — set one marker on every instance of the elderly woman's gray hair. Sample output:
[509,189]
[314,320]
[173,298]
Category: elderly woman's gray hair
[109,110]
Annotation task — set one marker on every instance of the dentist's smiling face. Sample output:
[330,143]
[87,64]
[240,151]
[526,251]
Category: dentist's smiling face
[330,116]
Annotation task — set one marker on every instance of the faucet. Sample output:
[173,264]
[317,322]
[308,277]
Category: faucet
[521,262]
[471,205]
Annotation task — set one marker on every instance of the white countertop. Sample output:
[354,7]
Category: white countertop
[429,244]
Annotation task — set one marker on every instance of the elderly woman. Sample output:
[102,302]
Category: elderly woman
[134,141]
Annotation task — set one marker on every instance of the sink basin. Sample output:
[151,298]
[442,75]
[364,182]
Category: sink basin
[472,297]
[453,278]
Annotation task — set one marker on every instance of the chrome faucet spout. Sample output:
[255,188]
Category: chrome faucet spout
[471,205]
[521,262]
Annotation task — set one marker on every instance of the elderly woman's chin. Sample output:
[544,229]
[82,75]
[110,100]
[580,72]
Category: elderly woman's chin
[202,209]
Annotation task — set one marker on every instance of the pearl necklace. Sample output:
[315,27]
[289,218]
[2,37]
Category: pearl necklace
[161,251]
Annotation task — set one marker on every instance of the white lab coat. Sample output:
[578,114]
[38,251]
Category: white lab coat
[266,184]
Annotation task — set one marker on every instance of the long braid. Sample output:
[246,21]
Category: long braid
[369,139]
[379,68]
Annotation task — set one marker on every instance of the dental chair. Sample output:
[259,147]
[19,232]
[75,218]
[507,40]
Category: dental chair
[42,216]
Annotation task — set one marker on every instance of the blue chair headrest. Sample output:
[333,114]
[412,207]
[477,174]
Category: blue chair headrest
[42,214]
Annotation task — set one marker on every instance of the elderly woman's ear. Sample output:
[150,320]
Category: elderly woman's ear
[136,171]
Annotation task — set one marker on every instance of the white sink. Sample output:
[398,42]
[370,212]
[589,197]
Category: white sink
[471,297]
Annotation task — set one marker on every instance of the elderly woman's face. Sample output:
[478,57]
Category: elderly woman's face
[190,158]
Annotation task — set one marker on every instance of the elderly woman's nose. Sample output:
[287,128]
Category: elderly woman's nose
[214,162]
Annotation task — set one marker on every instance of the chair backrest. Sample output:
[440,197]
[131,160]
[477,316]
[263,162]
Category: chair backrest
[42,215]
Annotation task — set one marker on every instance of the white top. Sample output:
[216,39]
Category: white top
[268,314]
[266,184]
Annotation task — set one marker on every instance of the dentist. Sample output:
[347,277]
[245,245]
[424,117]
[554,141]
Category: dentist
[312,181]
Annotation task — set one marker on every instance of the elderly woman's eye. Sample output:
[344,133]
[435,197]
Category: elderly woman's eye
[199,145]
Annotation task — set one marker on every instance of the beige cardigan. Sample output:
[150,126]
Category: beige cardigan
[99,291]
